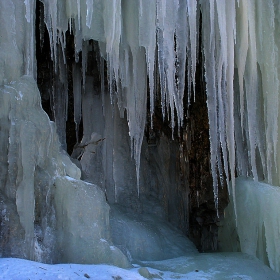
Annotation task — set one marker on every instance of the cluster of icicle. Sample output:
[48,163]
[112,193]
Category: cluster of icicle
[240,45]
[145,41]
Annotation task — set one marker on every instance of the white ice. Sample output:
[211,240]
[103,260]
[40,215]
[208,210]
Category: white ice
[258,223]
[219,266]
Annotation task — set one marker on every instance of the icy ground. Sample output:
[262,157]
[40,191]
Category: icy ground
[198,266]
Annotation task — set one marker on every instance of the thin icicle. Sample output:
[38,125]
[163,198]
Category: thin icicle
[241,55]
[147,39]
[230,126]
[209,50]
[76,75]
[85,50]
[89,12]
[79,13]
[192,18]
[251,87]
[51,24]
[182,41]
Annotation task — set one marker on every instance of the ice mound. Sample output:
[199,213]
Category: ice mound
[83,224]
[147,237]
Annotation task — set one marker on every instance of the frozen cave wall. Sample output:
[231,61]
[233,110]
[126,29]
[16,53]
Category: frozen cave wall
[161,105]
[162,55]
[38,180]
[40,183]
[175,178]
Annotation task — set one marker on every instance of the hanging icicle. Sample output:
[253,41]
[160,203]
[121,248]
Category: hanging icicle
[143,41]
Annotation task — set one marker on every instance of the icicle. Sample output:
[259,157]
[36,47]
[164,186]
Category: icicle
[30,38]
[137,109]
[51,24]
[85,50]
[136,96]
[147,39]
[161,10]
[102,83]
[210,77]
[241,55]
[182,41]
[192,19]
[79,13]
[76,75]
[112,32]
[268,61]
[230,125]
[251,87]
[62,42]
[160,58]
[89,13]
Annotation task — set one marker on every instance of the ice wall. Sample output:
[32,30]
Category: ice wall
[40,217]
[39,182]
[17,45]
[257,230]
[150,50]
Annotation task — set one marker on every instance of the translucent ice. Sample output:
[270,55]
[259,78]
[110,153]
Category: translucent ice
[257,231]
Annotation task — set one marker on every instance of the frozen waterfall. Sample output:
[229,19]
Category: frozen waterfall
[152,45]
[131,58]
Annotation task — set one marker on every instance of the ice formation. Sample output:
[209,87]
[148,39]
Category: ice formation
[153,45]
[38,180]
[257,231]
[150,49]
